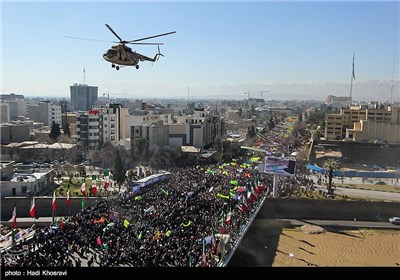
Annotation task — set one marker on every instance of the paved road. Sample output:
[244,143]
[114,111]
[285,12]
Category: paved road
[355,192]
[392,196]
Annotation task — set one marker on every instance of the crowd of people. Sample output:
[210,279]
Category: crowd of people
[178,222]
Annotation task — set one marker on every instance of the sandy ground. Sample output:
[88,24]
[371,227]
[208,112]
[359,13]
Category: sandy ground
[271,243]
[339,248]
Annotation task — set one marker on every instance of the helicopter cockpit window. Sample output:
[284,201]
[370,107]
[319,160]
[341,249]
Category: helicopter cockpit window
[112,53]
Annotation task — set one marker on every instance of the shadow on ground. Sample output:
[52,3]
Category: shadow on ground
[259,245]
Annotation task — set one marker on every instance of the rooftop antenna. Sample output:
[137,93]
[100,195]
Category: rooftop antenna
[84,76]
[248,94]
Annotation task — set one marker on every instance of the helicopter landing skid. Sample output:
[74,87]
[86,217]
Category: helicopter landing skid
[118,66]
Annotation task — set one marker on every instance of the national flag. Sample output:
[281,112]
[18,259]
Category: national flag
[213,243]
[68,198]
[243,203]
[61,223]
[261,187]
[94,190]
[203,258]
[353,73]
[14,217]
[221,220]
[228,217]
[249,197]
[98,240]
[53,202]
[83,189]
[32,211]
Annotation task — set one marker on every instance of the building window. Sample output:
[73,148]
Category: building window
[24,189]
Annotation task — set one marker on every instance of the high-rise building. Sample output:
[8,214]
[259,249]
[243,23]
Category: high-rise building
[46,113]
[83,97]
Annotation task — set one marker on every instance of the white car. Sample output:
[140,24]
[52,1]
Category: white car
[395,220]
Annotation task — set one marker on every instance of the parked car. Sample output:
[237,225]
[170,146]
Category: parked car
[380,183]
[395,220]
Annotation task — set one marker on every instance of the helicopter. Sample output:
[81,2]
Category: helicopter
[121,55]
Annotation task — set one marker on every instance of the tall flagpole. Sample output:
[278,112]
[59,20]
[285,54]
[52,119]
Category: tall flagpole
[353,77]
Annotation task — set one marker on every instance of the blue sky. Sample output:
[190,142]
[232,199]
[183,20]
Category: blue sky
[294,50]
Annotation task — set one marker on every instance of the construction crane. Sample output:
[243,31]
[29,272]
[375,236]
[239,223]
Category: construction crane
[108,97]
[248,94]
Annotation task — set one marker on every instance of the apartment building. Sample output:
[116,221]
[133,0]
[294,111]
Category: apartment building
[363,124]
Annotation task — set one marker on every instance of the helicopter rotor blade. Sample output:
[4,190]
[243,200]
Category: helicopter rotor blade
[146,38]
[116,35]
[87,39]
[157,44]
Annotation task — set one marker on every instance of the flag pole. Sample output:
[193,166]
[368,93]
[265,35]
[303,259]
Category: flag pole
[68,201]
[353,77]
[14,225]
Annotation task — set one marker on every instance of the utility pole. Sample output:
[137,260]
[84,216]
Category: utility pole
[84,76]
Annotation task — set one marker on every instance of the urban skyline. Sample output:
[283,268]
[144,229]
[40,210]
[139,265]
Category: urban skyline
[291,50]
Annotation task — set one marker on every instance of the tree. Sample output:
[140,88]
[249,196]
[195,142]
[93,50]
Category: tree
[271,124]
[331,165]
[55,131]
[300,118]
[240,112]
[253,111]
[119,172]
[251,131]
[66,129]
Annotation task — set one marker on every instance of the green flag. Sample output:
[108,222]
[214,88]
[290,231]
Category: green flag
[126,223]
[93,177]
[83,204]
[187,224]
[164,191]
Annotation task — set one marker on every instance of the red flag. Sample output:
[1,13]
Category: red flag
[32,211]
[14,217]
[53,202]
[68,198]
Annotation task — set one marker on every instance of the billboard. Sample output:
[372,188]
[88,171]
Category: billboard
[280,166]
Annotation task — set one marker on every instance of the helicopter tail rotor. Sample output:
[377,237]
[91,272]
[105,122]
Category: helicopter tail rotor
[159,53]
